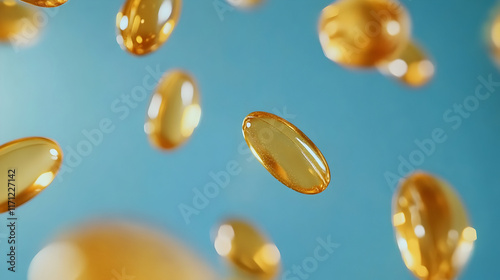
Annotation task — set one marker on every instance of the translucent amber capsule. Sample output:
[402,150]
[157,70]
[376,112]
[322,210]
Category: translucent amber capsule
[495,37]
[117,251]
[432,228]
[360,33]
[174,111]
[29,165]
[144,25]
[46,3]
[247,249]
[15,20]
[286,153]
[245,4]
[411,66]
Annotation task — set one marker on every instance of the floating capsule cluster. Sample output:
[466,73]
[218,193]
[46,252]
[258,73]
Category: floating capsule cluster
[431,224]
[373,33]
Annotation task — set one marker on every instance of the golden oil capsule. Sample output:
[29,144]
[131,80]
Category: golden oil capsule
[247,250]
[174,111]
[120,251]
[144,25]
[411,66]
[245,4]
[495,37]
[360,33]
[15,20]
[27,167]
[432,228]
[46,3]
[286,153]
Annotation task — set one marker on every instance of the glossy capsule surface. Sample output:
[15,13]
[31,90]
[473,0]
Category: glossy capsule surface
[46,3]
[247,250]
[431,226]
[144,25]
[245,4]
[174,111]
[361,33]
[113,250]
[412,66]
[29,165]
[15,19]
[286,152]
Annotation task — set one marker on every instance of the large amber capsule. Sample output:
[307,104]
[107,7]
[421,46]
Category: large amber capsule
[174,111]
[248,250]
[46,3]
[27,166]
[286,153]
[360,33]
[144,25]
[15,20]
[412,66]
[117,251]
[432,228]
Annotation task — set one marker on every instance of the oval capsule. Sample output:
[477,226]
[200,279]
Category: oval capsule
[494,36]
[286,153]
[360,33]
[247,249]
[431,226]
[174,111]
[27,166]
[17,23]
[412,66]
[117,250]
[46,3]
[144,25]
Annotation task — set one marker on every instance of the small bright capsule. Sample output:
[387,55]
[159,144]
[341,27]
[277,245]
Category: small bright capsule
[411,66]
[245,4]
[144,25]
[174,111]
[46,3]
[119,251]
[432,228]
[286,153]
[27,167]
[247,249]
[361,33]
[18,24]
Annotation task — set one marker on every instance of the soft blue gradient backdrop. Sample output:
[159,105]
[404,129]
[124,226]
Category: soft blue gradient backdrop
[261,60]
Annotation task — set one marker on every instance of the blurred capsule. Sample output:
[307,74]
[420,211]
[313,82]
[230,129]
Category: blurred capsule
[174,111]
[432,228]
[361,33]
[495,37]
[46,3]
[144,25]
[18,24]
[113,250]
[248,250]
[27,167]
[286,153]
[411,66]
[245,4]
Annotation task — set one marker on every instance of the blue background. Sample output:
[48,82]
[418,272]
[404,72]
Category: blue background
[263,60]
